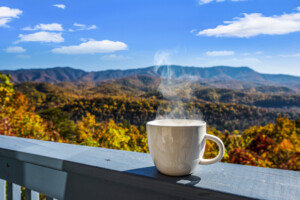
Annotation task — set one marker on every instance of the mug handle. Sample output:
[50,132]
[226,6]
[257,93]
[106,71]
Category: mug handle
[221,150]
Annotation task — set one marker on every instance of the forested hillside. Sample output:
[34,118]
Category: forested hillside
[113,114]
[136,100]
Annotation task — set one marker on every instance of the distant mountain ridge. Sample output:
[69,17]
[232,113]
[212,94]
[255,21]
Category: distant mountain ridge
[50,75]
[226,74]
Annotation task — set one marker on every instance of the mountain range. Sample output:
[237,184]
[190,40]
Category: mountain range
[218,76]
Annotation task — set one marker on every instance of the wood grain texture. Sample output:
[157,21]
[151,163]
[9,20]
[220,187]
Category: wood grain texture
[89,169]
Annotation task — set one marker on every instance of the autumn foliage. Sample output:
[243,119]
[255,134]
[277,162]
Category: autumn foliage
[109,135]
[275,145]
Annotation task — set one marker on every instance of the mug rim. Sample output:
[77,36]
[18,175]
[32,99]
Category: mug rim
[154,123]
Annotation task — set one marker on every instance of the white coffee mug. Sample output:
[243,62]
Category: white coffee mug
[177,145]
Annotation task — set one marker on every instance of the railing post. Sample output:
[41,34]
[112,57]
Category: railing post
[2,189]
[31,195]
[13,191]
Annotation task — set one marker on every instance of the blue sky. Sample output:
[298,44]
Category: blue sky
[122,34]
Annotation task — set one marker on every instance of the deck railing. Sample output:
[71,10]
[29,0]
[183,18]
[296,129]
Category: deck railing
[65,171]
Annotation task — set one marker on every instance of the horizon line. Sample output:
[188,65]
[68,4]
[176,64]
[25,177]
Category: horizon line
[187,66]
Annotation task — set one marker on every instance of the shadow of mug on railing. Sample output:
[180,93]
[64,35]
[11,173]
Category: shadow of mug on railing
[190,180]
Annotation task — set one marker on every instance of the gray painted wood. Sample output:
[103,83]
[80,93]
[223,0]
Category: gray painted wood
[2,189]
[13,191]
[31,195]
[50,198]
[48,181]
[112,174]
[16,192]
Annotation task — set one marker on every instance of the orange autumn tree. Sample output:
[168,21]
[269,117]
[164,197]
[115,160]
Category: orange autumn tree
[277,143]
[274,145]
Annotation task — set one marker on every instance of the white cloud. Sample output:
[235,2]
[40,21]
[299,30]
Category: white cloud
[259,52]
[4,21]
[15,49]
[219,53]
[255,24]
[92,47]
[201,2]
[114,57]
[45,27]
[41,36]
[193,30]
[291,55]
[7,14]
[81,27]
[91,27]
[62,6]
[83,39]
[86,39]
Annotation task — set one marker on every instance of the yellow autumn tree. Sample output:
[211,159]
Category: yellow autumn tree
[110,135]
[118,136]
[85,129]
[17,115]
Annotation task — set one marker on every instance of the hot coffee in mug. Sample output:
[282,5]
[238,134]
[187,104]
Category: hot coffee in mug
[177,145]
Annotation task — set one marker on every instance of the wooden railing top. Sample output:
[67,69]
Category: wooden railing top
[136,170]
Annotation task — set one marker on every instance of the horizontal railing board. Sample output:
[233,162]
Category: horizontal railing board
[93,164]
[152,188]
[33,177]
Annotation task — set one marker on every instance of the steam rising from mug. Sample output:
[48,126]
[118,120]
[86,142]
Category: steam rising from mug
[176,87]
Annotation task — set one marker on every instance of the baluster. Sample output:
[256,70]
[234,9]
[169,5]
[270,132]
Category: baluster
[50,198]
[13,191]
[31,195]
[2,189]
